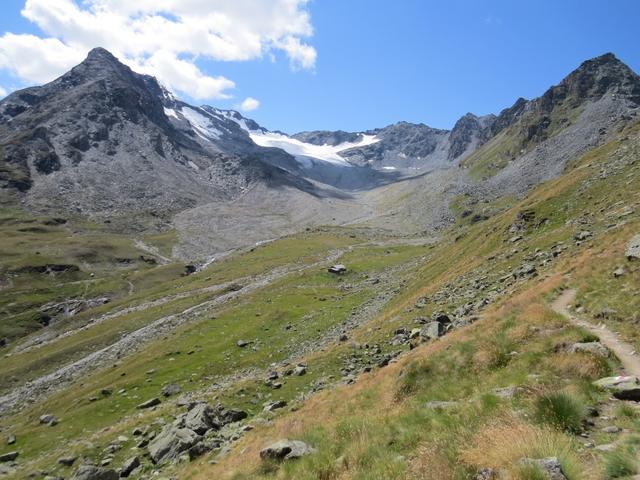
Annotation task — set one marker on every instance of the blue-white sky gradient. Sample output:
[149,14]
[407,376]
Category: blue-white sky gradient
[326,64]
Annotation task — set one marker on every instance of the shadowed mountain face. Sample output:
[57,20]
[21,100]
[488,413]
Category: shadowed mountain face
[105,142]
[98,141]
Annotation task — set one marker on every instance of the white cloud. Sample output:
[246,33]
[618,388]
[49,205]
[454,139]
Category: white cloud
[161,37]
[249,104]
[3,92]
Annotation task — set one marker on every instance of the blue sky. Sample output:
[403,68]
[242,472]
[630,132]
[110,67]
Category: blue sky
[371,63]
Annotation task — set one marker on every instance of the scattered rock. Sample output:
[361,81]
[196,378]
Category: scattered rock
[91,472]
[242,343]
[149,403]
[550,466]
[129,466]
[231,416]
[582,236]
[619,272]
[48,419]
[300,370]
[621,387]
[67,461]
[486,474]
[11,439]
[337,269]
[286,450]
[9,456]
[170,389]
[611,429]
[632,252]
[593,348]
[271,406]
[507,392]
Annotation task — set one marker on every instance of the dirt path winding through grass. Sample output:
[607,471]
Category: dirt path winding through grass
[624,351]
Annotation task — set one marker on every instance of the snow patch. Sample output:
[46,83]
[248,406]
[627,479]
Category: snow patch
[307,152]
[170,112]
[194,166]
[201,123]
[389,168]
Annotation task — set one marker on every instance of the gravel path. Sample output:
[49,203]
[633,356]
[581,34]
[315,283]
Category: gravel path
[624,351]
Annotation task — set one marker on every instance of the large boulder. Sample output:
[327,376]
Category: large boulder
[632,251]
[201,418]
[9,456]
[129,466]
[231,415]
[171,442]
[91,472]
[286,450]
[432,330]
[621,387]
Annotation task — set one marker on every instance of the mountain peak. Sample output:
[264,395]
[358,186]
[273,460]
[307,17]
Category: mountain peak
[602,74]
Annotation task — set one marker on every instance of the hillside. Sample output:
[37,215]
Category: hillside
[180,332]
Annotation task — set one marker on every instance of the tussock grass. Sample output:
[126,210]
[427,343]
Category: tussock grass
[560,410]
[502,444]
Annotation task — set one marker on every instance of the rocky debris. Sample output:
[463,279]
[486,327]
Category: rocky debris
[48,419]
[242,343]
[507,392]
[67,461]
[11,439]
[152,402]
[619,272]
[231,415]
[271,406]
[583,235]
[170,389]
[632,252]
[129,466]
[593,348]
[286,450]
[621,387]
[486,474]
[71,307]
[337,269]
[300,370]
[91,472]
[611,429]
[525,270]
[171,442]
[9,456]
[200,419]
[550,466]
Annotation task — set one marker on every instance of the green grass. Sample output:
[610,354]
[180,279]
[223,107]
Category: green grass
[560,410]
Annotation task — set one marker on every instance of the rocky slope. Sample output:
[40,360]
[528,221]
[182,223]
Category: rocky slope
[98,141]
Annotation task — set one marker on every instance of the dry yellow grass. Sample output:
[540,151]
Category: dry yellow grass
[502,444]
[577,365]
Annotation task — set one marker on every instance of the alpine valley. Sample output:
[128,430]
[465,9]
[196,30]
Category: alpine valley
[187,294]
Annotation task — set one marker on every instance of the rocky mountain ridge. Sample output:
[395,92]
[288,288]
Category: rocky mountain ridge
[106,143]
